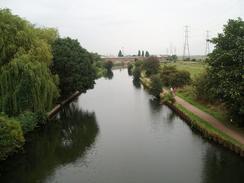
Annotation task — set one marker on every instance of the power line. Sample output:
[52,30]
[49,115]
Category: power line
[207,48]
[186,44]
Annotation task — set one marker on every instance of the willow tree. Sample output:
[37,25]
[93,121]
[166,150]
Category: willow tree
[18,36]
[26,81]
[27,85]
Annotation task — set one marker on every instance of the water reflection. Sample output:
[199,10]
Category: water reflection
[171,116]
[109,75]
[137,83]
[224,167]
[155,105]
[63,141]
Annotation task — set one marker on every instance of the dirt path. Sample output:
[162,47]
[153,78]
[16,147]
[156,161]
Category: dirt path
[213,121]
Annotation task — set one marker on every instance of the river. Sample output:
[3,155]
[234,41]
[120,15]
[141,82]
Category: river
[117,133]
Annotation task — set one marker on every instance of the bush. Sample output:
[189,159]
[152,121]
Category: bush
[29,120]
[136,73]
[172,77]
[203,88]
[151,65]
[168,97]
[108,65]
[156,86]
[11,136]
[130,67]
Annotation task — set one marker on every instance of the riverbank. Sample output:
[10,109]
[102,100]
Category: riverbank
[220,135]
[207,125]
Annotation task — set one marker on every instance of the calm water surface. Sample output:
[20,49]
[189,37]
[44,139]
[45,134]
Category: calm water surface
[116,133]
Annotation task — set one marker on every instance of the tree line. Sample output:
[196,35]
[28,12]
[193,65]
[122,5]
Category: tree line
[37,69]
[223,81]
[139,54]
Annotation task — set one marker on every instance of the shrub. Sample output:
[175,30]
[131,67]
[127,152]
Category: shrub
[108,65]
[136,73]
[172,77]
[11,136]
[168,97]
[156,86]
[203,88]
[28,121]
[151,65]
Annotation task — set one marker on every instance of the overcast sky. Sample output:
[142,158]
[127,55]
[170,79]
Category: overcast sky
[105,26]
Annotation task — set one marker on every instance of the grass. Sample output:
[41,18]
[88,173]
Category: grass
[217,111]
[195,68]
[204,124]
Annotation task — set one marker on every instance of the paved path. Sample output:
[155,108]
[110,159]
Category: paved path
[213,121]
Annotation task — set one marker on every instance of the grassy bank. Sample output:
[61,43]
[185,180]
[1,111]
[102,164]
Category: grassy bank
[195,68]
[208,127]
[216,111]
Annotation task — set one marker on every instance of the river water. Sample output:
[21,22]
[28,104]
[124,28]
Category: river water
[117,133]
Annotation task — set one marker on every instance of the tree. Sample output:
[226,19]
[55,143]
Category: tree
[156,85]
[18,36]
[151,65]
[136,71]
[142,54]
[74,66]
[139,53]
[172,77]
[108,65]
[21,75]
[147,54]
[120,54]
[24,66]
[226,68]
[136,74]
[172,58]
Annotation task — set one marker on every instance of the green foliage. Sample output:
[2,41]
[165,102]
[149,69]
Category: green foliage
[26,82]
[168,97]
[98,64]
[108,65]
[172,77]
[172,58]
[151,65]
[130,67]
[217,110]
[74,66]
[28,121]
[142,53]
[15,36]
[27,86]
[187,59]
[156,86]
[120,54]
[136,72]
[18,36]
[203,88]
[108,69]
[11,136]
[226,68]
